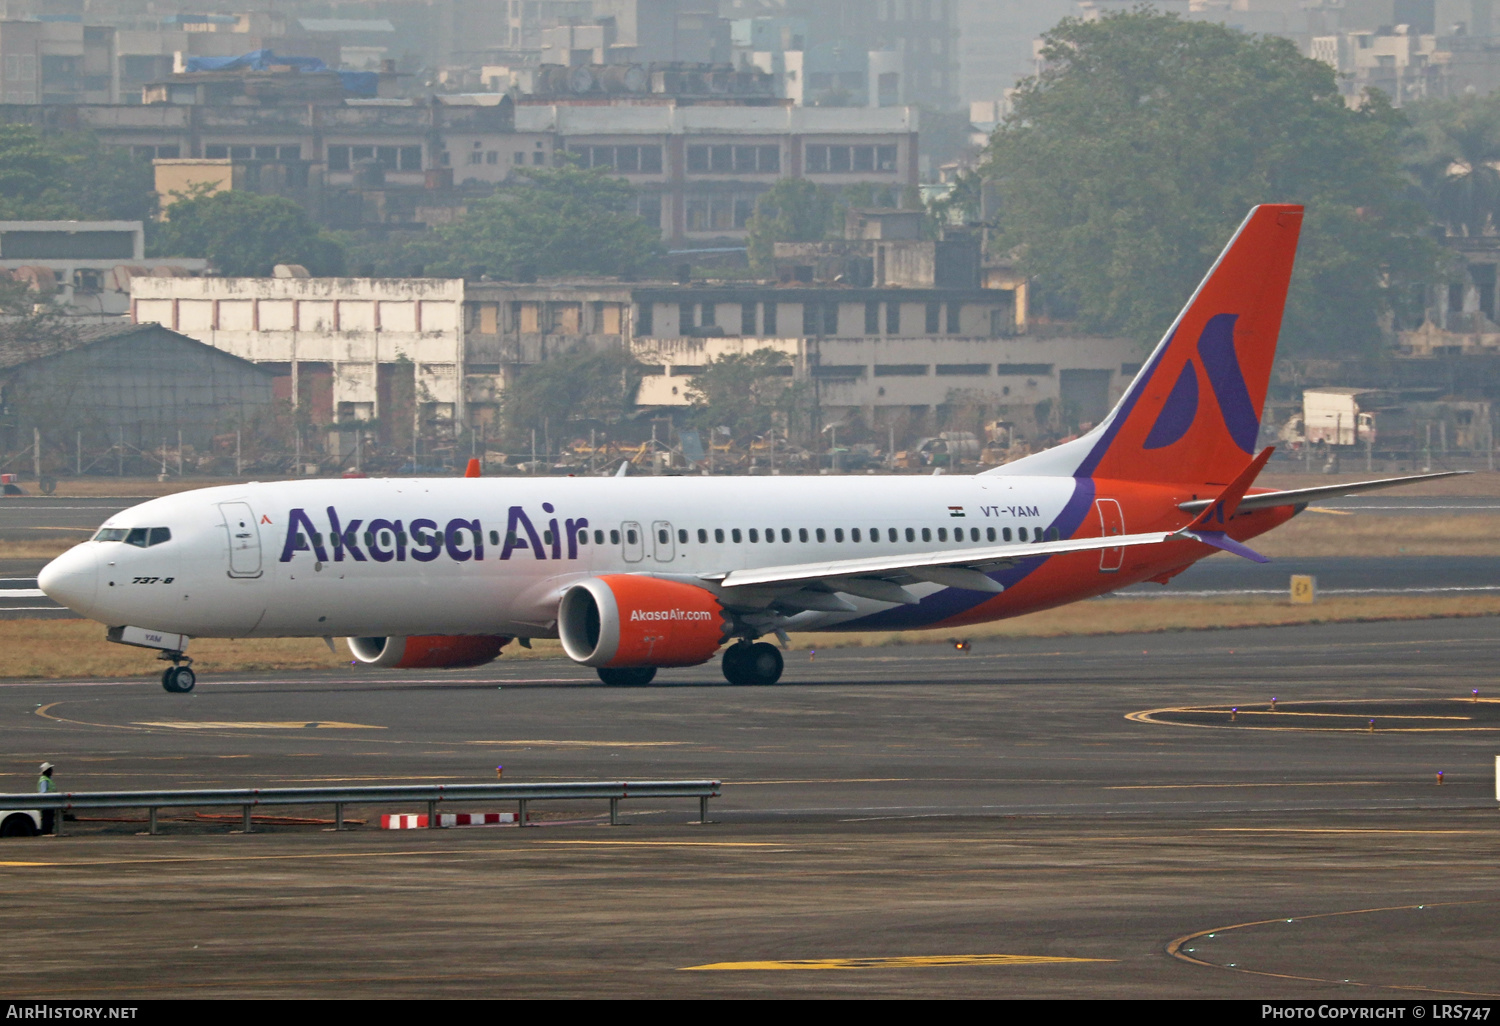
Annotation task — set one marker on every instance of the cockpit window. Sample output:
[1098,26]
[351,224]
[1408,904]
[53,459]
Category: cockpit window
[141,537]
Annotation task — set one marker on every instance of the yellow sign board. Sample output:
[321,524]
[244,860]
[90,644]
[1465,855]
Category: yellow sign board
[1304,589]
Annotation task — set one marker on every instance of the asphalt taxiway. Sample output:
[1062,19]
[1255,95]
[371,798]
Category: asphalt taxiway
[1045,818]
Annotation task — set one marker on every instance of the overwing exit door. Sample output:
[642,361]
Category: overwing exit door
[661,537]
[633,546]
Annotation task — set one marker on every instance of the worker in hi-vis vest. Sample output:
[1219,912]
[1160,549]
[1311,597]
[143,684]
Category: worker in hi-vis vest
[45,785]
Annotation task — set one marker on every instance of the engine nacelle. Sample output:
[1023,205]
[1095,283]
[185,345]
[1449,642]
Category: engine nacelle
[621,620]
[430,652]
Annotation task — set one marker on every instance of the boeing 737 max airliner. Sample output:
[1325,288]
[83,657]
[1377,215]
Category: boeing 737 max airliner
[633,574]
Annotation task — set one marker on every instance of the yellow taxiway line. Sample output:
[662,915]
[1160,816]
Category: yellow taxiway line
[894,962]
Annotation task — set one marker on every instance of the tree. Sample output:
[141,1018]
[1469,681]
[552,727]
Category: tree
[28,169]
[1127,163]
[70,177]
[1453,151]
[796,210]
[563,221]
[242,233]
[585,384]
[749,393]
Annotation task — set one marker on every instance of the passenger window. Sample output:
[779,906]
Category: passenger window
[598,537]
[822,535]
[854,534]
[681,536]
[629,537]
[385,539]
[942,534]
[1055,532]
[1021,533]
[1005,534]
[494,537]
[770,535]
[719,535]
[891,534]
[786,535]
[802,534]
[911,535]
[927,534]
[583,537]
[159,535]
[369,538]
[735,534]
[838,534]
[547,536]
[614,537]
[111,534]
[702,536]
[874,534]
[989,534]
[754,535]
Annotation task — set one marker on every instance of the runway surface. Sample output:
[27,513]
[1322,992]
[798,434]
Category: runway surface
[1035,818]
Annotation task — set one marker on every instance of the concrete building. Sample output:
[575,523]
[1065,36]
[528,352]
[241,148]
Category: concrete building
[58,62]
[129,386]
[883,355]
[436,356]
[341,349]
[700,169]
[85,267]
[699,158]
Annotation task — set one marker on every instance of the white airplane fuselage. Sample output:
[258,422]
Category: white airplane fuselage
[403,558]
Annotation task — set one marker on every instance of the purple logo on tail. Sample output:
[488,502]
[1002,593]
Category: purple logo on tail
[1222,366]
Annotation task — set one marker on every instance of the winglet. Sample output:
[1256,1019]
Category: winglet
[1223,508]
[473,470]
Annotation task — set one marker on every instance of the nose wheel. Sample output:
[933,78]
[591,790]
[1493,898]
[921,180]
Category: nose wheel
[178,679]
[747,664]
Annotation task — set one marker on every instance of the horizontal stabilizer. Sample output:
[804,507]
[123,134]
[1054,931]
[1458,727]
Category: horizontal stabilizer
[1222,509]
[1300,496]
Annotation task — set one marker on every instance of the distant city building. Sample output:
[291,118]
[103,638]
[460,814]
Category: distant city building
[436,355]
[58,62]
[84,267]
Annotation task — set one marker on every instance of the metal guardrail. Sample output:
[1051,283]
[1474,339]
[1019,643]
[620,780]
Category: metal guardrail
[338,797]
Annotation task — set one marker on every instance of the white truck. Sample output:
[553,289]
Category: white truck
[1333,416]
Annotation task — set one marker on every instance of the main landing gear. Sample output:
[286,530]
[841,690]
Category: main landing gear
[628,676]
[747,663]
[178,678]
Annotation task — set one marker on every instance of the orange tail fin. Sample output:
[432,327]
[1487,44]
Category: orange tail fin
[1192,414]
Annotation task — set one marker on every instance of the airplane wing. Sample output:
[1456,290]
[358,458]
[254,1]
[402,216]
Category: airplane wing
[1299,496]
[882,577]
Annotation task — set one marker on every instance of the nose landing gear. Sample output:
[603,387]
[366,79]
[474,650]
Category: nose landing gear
[178,678]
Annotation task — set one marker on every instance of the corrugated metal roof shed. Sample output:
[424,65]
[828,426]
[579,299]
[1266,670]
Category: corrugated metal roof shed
[136,382]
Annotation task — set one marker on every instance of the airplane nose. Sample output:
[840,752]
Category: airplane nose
[72,579]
